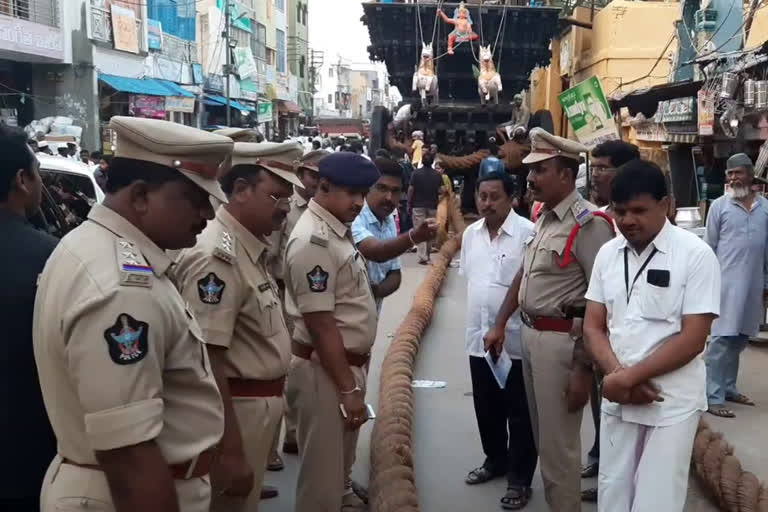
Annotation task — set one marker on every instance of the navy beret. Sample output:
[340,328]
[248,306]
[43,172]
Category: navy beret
[348,170]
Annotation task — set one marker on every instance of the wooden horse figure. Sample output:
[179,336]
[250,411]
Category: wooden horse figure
[425,78]
[489,80]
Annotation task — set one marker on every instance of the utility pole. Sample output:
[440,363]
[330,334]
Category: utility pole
[228,67]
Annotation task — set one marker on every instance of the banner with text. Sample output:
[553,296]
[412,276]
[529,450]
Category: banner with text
[588,112]
[124,29]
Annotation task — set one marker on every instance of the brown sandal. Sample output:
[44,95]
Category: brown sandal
[720,411]
[516,498]
[739,398]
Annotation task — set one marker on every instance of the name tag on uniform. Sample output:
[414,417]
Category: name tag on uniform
[658,277]
[264,287]
[529,239]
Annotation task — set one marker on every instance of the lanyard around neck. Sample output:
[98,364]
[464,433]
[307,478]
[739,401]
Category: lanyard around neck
[626,271]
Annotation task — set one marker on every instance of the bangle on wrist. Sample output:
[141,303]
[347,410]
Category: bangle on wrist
[410,236]
[353,390]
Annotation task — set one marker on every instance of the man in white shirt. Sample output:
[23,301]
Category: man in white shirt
[492,250]
[651,301]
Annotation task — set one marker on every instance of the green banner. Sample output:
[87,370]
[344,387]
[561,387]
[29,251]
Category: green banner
[235,10]
[588,112]
[264,114]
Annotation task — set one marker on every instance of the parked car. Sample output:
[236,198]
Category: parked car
[71,186]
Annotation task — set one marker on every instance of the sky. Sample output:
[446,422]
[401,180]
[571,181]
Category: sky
[336,29]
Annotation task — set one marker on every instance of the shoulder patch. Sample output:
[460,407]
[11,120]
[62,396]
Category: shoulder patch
[211,288]
[225,250]
[318,279]
[320,236]
[132,266]
[264,287]
[127,340]
[581,213]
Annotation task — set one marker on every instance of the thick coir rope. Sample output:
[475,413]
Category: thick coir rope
[392,486]
[720,473]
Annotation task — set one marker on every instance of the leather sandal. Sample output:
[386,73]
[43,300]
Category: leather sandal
[516,498]
[720,411]
[590,470]
[480,476]
[739,398]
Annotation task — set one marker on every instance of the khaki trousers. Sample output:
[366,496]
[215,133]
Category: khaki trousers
[75,489]
[289,419]
[420,216]
[547,362]
[326,448]
[258,417]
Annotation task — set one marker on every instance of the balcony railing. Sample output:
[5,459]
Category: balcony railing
[179,49]
[44,12]
[101,27]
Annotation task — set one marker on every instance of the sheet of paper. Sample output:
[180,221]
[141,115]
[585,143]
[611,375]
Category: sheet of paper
[500,368]
[428,384]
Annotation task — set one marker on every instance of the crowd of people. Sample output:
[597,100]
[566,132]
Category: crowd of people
[224,288]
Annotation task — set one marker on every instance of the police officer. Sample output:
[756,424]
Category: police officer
[25,251]
[226,282]
[329,299]
[240,134]
[549,290]
[308,173]
[125,378]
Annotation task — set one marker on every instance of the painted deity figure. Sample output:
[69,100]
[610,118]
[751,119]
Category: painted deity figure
[425,78]
[463,23]
[489,80]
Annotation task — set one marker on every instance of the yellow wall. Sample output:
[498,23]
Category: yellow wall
[623,45]
[759,32]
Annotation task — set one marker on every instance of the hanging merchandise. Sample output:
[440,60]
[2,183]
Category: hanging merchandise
[762,95]
[750,92]
[489,80]
[730,84]
[463,23]
[425,78]
[762,161]
[731,120]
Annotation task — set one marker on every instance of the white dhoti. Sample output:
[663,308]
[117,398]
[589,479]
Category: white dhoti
[644,468]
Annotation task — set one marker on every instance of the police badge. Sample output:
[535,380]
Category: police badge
[127,340]
[211,288]
[318,279]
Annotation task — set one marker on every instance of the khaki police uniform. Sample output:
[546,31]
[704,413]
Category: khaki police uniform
[239,134]
[120,357]
[276,255]
[325,272]
[225,280]
[555,279]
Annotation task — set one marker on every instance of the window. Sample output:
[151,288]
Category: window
[280,4]
[306,13]
[302,65]
[280,51]
[298,13]
[330,72]
[330,99]
[259,42]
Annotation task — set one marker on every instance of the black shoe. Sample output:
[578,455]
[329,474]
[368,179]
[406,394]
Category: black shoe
[590,470]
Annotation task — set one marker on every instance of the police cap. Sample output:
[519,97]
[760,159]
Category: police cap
[348,170]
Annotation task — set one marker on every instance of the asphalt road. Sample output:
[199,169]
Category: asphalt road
[446,442]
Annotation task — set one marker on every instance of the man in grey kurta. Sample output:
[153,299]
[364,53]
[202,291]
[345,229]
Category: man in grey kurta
[737,230]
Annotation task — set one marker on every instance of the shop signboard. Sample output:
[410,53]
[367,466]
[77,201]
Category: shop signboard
[140,105]
[154,34]
[588,112]
[180,104]
[214,83]
[246,64]
[678,110]
[706,116]
[31,38]
[197,74]
[124,29]
[264,114]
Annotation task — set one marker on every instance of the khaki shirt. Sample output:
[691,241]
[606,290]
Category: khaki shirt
[547,289]
[278,240]
[120,358]
[325,272]
[225,281]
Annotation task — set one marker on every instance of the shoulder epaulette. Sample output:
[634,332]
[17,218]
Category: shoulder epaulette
[320,235]
[225,250]
[581,212]
[131,265]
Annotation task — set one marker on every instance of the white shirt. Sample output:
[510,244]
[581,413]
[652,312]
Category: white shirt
[490,267]
[654,314]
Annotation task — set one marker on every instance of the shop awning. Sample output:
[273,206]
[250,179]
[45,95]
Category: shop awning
[217,101]
[175,89]
[646,100]
[288,107]
[146,86]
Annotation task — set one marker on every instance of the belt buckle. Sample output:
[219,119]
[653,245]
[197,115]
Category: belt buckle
[527,319]
[192,466]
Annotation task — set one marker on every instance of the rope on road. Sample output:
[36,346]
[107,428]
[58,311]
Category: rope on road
[721,474]
[393,487]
